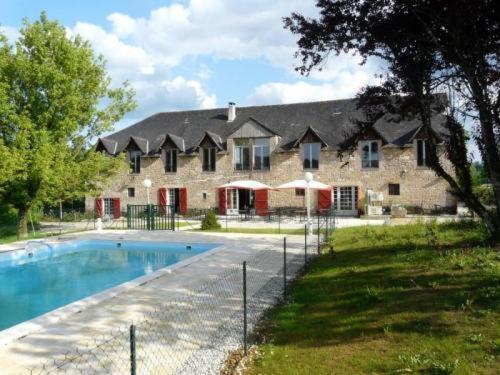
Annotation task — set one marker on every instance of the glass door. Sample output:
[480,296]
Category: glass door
[233,201]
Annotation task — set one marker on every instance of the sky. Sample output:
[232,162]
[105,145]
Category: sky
[197,54]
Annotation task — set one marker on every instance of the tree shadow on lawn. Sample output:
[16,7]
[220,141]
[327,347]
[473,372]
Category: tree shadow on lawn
[360,293]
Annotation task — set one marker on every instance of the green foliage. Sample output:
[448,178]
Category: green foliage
[485,194]
[210,222]
[52,91]
[478,174]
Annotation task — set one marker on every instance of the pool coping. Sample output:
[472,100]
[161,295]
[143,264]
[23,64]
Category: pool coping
[28,327]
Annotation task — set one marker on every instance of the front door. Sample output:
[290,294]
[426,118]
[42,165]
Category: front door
[246,199]
[174,199]
[345,199]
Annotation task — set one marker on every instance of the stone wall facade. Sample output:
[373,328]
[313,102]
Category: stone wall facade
[418,185]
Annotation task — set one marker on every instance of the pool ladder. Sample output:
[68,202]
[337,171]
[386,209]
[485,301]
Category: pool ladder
[30,249]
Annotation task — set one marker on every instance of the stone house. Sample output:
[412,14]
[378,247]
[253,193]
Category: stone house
[189,154]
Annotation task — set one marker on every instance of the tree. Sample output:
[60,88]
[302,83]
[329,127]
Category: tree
[55,98]
[427,47]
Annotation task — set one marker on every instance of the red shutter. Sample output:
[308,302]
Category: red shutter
[183,199]
[116,208]
[222,201]
[261,202]
[162,199]
[98,207]
[324,199]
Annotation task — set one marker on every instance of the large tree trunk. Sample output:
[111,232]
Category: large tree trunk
[22,223]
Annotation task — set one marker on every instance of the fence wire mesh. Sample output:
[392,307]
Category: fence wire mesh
[193,334]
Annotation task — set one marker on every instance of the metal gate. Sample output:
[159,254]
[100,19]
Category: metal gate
[150,217]
[326,224]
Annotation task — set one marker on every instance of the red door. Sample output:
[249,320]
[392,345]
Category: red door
[222,201]
[324,199]
[162,199]
[98,207]
[261,202]
[183,200]
[116,208]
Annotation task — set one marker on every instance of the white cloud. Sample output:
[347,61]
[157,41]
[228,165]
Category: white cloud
[11,33]
[123,60]
[216,28]
[346,85]
[175,94]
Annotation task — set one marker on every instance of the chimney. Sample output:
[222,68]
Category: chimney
[231,112]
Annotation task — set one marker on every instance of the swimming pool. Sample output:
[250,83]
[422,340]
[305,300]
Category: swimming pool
[45,277]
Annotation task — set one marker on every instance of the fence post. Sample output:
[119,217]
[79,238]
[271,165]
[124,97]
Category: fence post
[245,307]
[132,351]
[305,247]
[284,268]
[319,236]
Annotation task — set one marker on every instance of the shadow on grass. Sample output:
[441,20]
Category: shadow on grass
[377,288]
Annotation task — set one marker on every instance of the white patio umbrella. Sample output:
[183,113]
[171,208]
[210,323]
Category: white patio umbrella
[302,184]
[246,184]
[307,184]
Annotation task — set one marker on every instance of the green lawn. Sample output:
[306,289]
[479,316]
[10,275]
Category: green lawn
[406,299]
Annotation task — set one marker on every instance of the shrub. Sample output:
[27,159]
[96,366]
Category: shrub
[210,222]
[485,194]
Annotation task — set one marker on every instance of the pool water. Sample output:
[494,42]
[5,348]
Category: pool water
[45,277]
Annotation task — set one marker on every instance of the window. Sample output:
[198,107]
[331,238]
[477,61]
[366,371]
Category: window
[311,155]
[204,194]
[241,155]
[131,192]
[209,159]
[109,207]
[369,154]
[135,161]
[261,153]
[393,189]
[171,197]
[300,192]
[171,160]
[422,151]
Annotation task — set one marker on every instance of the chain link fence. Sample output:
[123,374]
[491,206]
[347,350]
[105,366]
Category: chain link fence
[196,333]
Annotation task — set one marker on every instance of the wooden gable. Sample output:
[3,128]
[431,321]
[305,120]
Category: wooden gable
[252,129]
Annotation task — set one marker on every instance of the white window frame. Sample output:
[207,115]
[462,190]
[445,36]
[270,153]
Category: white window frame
[134,156]
[171,155]
[261,156]
[238,150]
[310,154]
[203,164]
[109,207]
[370,159]
[424,151]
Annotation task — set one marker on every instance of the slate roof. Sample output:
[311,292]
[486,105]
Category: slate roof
[331,120]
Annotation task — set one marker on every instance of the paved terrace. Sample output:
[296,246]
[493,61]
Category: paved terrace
[195,334]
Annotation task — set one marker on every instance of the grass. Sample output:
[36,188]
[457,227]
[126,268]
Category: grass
[405,299]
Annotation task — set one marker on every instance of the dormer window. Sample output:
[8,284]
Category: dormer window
[369,154]
[311,155]
[261,154]
[422,151]
[135,161]
[171,160]
[241,155]
[209,157]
